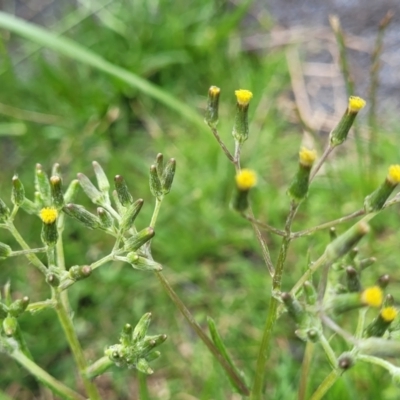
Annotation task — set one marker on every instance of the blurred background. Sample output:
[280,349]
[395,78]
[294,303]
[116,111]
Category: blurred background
[54,108]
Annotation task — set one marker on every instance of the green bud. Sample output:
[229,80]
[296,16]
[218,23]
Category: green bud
[383,281]
[126,335]
[150,342]
[340,132]
[102,181]
[332,233]
[295,309]
[105,218]
[160,164]
[17,307]
[168,176]
[124,197]
[352,280]
[141,328]
[79,272]
[52,280]
[381,323]
[142,263]
[38,201]
[18,192]
[153,356]
[82,215]
[346,241]
[155,183]
[91,191]
[49,233]
[143,367]
[42,185]
[5,251]
[346,361]
[313,335]
[130,214]
[211,117]
[139,239]
[376,200]
[57,194]
[241,125]
[4,211]
[120,208]
[310,293]
[71,191]
[389,301]
[10,325]
[341,303]
[56,170]
[366,262]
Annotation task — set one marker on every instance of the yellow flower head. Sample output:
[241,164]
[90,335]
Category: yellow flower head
[246,179]
[388,314]
[214,91]
[356,104]
[372,296]
[307,157]
[394,174]
[48,215]
[243,97]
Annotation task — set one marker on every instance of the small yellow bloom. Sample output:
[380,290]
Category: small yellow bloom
[246,179]
[356,104]
[243,96]
[307,157]
[48,215]
[372,296]
[394,174]
[388,314]
[214,90]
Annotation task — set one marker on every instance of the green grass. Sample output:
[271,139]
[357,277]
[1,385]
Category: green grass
[153,63]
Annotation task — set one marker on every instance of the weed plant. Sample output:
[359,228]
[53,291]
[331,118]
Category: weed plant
[209,254]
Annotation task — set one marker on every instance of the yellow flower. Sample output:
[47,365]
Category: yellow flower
[372,296]
[394,174]
[48,215]
[356,104]
[243,97]
[214,90]
[307,157]
[388,314]
[246,179]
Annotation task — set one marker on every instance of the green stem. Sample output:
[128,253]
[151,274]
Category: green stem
[75,347]
[379,361]
[328,351]
[206,340]
[263,353]
[29,255]
[156,211]
[98,367]
[305,370]
[41,375]
[143,390]
[326,384]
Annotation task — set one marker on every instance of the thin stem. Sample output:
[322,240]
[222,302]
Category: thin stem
[206,340]
[265,226]
[236,157]
[263,353]
[326,225]
[24,252]
[221,144]
[75,347]
[41,375]
[328,351]
[323,158]
[98,367]
[305,370]
[102,261]
[360,323]
[30,256]
[326,384]
[379,361]
[143,390]
[156,211]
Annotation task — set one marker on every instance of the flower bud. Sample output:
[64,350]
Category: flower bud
[141,328]
[79,272]
[91,191]
[160,164]
[241,126]
[82,215]
[381,323]
[299,187]
[383,281]
[352,280]
[124,197]
[340,132]
[17,307]
[52,280]
[143,366]
[155,182]
[295,309]
[10,325]
[49,234]
[345,361]
[310,293]
[71,191]
[376,200]
[5,251]
[56,170]
[130,214]
[139,239]
[4,211]
[42,185]
[102,181]
[17,192]
[57,194]
[245,180]
[142,263]
[126,335]
[168,176]
[106,220]
[366,262]
[211,117]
